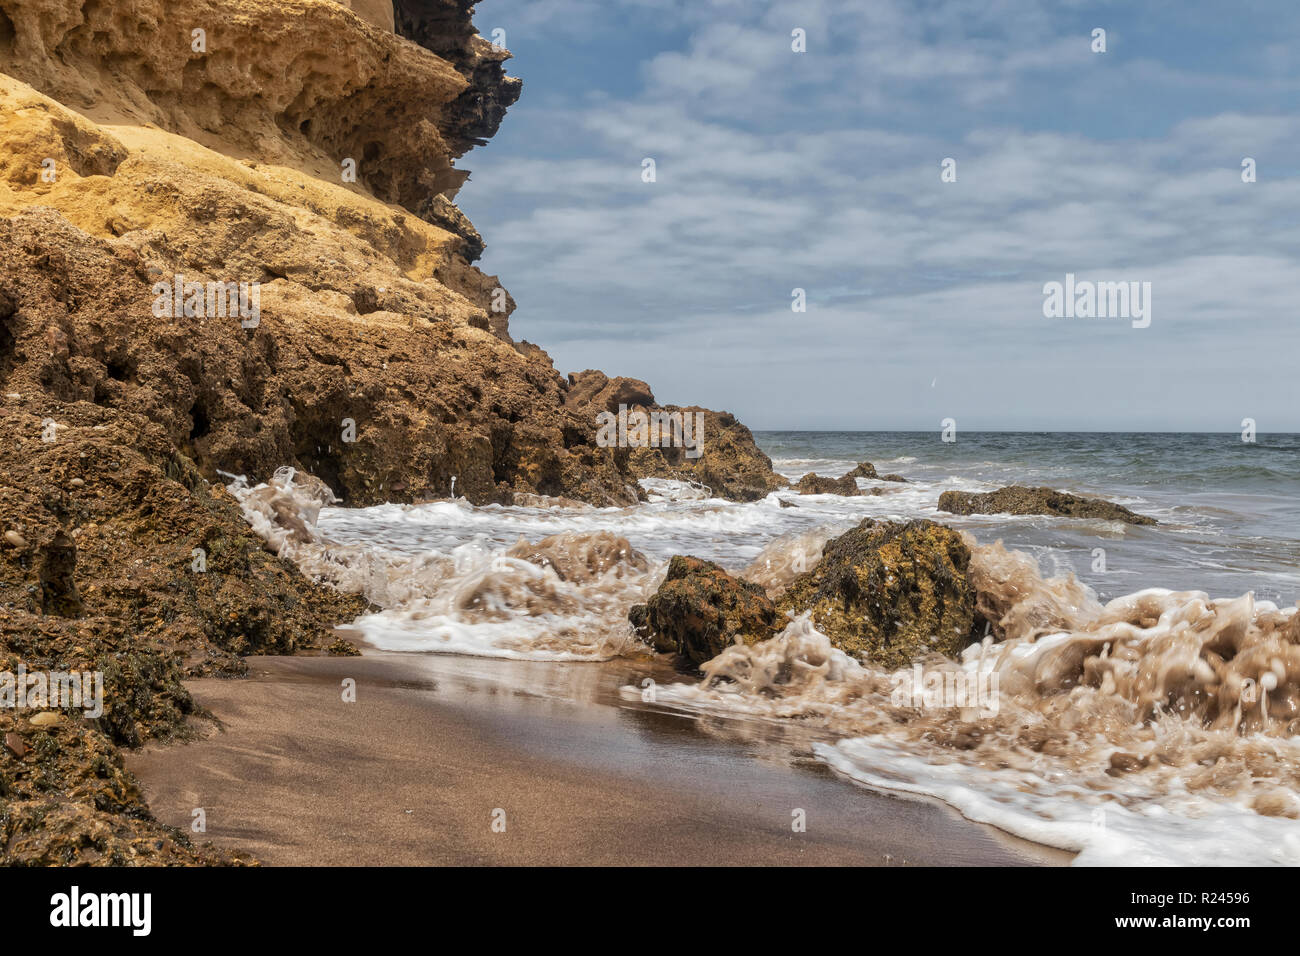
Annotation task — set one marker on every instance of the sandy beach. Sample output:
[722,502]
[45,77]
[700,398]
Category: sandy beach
[412,772]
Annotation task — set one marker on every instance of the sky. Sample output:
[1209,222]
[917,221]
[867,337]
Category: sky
[820,170]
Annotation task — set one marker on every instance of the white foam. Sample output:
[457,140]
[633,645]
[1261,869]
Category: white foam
[1168,829]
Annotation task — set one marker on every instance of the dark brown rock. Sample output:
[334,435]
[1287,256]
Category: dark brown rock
[1019,500]
[867,470]
[811,484]
[58,577]
[731,464]
[700,610]
[113,516]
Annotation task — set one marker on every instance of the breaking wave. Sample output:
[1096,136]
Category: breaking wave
[562,598]
[1157,728]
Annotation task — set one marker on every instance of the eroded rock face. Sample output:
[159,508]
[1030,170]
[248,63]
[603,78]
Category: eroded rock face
[305,148]
[700,609]
[267,77]
[1018,500]
[380,407]
[123,561]
[378,13]
[730,465]
[890,593]
[595,391]
[729,462]
[425,370]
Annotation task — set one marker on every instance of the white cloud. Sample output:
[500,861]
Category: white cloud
[821,171]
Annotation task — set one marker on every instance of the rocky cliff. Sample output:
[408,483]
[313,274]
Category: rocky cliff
[228,242]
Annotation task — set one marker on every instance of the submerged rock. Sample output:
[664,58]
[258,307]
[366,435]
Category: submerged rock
[846,485]
[890,593]
[866,469]
[1019,500]
[583,557]
[811,484]
[700,609]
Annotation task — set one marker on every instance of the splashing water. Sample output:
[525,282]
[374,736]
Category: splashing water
[1155,727]
[563,598]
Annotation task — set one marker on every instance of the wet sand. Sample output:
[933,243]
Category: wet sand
[413,771]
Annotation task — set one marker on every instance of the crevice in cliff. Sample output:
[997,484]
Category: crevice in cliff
[7,34]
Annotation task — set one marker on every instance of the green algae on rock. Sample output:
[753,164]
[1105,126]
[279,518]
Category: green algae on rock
[105,581]
[890,593]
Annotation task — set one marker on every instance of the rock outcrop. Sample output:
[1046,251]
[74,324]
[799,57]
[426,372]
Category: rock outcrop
[1019,500]
[817,484]
[700,609]
[890,593]
[866,469]
[846,485]
[118,558]
[729,463]
[228,243]
[884,592]
[261,163]
[812,484]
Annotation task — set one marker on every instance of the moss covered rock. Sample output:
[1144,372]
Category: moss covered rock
[890,593]
[1019,500]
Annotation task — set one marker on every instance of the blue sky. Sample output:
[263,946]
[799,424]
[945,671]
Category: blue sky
[821,170]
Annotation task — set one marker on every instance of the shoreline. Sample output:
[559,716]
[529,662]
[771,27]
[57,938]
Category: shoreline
[411,773]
